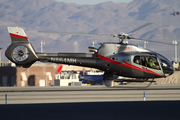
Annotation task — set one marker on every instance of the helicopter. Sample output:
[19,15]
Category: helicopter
[175,13]
[122,59]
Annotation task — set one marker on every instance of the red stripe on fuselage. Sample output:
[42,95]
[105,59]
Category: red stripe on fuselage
[125,64]
[19,36]
[144,70]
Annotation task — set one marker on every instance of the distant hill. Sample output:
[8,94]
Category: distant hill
[103,18]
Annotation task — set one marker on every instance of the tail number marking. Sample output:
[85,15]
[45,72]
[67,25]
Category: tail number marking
[63,60]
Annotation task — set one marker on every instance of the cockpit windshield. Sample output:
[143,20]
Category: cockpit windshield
[166,65]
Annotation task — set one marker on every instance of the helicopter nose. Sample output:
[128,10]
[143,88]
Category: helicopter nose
[168,70]
[171,70]
[166,65]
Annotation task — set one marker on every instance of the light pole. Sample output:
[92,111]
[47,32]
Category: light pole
[76,46]
[175,44]
[94,42]
[145,42]
[0,56]
[42,43]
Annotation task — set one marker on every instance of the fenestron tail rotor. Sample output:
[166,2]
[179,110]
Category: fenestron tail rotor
[20,53]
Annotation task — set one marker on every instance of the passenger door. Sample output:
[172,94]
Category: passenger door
[137,66]
[151,66]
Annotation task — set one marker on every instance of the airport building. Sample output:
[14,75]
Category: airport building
[36,75]
[39,74]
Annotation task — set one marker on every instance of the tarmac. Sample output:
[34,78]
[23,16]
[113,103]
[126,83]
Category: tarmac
[139,110]
[158,102]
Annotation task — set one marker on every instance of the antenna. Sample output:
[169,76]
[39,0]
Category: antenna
[42,43]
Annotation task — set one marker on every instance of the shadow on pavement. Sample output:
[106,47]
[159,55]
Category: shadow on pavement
[145,110]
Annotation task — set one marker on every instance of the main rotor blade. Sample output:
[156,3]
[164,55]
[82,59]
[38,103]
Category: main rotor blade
[152,41]
[76,34]
[139,28]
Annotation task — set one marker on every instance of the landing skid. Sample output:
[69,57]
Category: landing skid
[151,82]
[134,80]
[110,83]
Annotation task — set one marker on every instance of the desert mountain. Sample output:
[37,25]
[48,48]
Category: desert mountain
[103,18]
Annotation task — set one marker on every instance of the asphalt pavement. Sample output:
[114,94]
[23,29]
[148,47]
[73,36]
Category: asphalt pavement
[91,103]
[145,110]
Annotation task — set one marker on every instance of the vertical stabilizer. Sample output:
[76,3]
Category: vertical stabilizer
[17,34]
[20,51]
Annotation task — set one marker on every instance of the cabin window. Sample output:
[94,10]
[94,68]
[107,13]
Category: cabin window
[137,60]
[144,60]
[147,61]
[152,62]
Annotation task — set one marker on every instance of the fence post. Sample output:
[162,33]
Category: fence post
[5,98]
[144,97]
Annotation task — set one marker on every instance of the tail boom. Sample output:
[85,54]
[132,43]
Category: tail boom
[22,53]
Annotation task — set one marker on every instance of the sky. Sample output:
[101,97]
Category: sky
[92,2]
